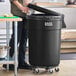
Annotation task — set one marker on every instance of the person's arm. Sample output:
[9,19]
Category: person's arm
[20,6]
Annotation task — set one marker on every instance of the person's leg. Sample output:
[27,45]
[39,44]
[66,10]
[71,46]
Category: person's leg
[22,48]
[11,43]
[22,45]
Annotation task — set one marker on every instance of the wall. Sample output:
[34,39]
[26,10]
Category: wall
[4,8]
[61,0]
[70,16]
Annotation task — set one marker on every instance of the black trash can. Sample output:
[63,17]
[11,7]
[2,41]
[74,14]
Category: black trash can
[44,39]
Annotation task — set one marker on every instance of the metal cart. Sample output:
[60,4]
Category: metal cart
[8,20]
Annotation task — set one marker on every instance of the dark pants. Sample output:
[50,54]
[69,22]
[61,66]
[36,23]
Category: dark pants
[22,39]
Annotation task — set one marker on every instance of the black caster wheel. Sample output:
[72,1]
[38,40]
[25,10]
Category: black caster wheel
[50,71]
[36,70]
[57,69]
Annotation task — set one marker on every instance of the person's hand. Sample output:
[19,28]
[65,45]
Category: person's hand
[24,9]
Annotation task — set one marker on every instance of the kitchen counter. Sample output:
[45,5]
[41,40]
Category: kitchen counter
[55,5]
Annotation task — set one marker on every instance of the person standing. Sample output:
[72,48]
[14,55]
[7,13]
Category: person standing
[18,8]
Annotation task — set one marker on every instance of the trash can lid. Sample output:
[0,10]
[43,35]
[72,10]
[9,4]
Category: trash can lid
[43,10]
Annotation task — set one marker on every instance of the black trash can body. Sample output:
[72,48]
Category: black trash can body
[44,39]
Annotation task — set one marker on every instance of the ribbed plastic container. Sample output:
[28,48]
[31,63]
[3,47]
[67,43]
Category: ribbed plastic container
[44,39]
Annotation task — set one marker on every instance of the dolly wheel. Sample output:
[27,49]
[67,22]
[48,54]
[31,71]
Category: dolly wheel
[50,71]
[36,70]
[57,69]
